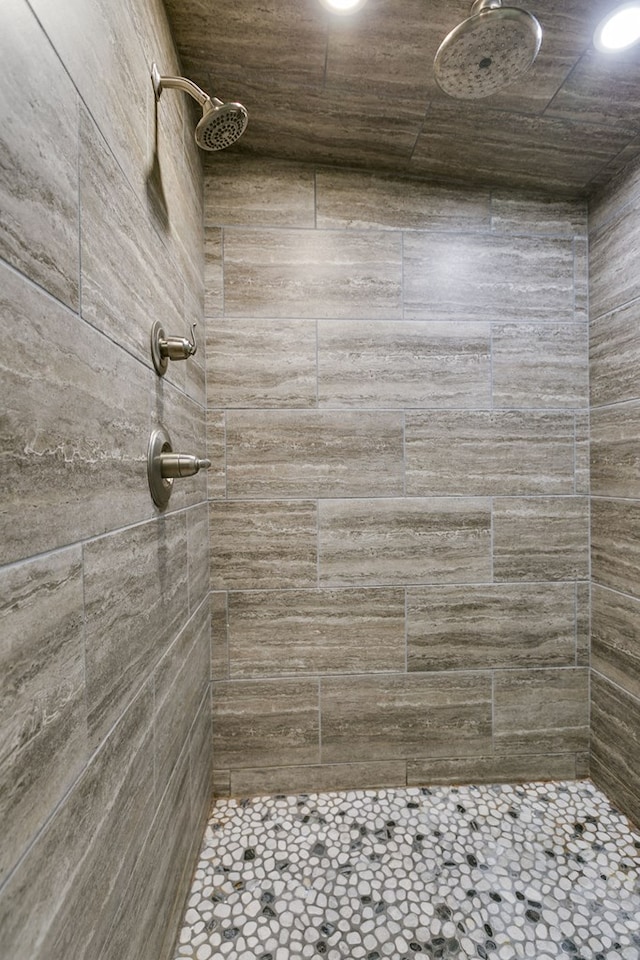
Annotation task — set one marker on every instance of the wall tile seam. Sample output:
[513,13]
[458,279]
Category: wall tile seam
[614,683]
[622,305]
[429,230]
[355,408]
[611,405]
[620,593]
[618,210]
[401,584]
[479,672]
[93,756]
[604,498]
[314,498]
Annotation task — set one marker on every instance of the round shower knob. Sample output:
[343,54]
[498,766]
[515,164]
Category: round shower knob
[164,466]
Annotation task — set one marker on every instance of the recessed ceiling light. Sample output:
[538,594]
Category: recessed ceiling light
[619,29]
[343,6]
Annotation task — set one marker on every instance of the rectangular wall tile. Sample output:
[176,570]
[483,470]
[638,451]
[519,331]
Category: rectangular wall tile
[483,627]
[498,769]
[444,540]
[612,278]
[513,212]
[581,470]
[136,598]
[263,544]
[314,454]
[284,633]
[583,624]
[309,274]
[265,723]
[615,545]
[179,683]
[39,237]
[94,834]
[357,200]
[615,450]
[201,766]
[541,538]
[321,777]
[261,363]
[379,718]
[615,638]
[487,277]
[541,711]
[540,365]
[476,453]
[43,715]
[213,275]
[86,472]
[217,453]
[615,746]
[400,364]
[259,192]
[614,355]
[219,636]
[198,576]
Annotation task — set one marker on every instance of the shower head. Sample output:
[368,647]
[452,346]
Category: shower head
[489,50]
[221,123]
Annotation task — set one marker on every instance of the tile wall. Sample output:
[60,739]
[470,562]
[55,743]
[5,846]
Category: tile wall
[397,392]
[614,234]
[105,743]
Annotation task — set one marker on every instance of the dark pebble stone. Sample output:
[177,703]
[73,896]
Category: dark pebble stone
[471,860]
[415,946]
[391,823]
[419,837]
[209,927]
[490,945]
[443,911]
[365,898]
[437,833]
[578,827]
[482,952]
[319,850]
[266,956]
[327,929]
[471,892]
[496,897]
[474,825]
[513,814]
[460,808]
[449,863]
[617,946]
[412,805]
[532,915]
[374,955]
[231,933]
[267,897]
[535,904]
[568,946]
[321,946]
[452,945]
[487,929]
[268,912]
[249,854]
[550,854]
[379,907]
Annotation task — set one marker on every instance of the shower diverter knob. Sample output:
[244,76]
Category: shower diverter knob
[164,466]
[165,348]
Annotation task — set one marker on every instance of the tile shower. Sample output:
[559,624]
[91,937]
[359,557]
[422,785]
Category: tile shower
[399,588]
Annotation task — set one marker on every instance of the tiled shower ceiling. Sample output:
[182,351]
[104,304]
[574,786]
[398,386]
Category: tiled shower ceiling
[360,90]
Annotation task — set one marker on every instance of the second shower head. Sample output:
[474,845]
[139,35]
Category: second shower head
[221,123]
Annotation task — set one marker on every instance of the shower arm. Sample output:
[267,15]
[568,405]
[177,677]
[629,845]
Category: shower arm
[181,83]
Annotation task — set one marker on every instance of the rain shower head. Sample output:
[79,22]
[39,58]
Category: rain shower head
[221,123]
[489,50]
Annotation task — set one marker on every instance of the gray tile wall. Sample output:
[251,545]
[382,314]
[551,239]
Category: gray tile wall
[105,724]
[398,402]
[614,234]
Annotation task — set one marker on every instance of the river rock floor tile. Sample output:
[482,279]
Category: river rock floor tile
[540,870]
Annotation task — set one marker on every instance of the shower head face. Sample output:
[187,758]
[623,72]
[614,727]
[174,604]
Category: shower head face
[221,125]
[486,52]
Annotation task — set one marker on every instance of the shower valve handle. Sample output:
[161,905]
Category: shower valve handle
[165,348]
[174,465]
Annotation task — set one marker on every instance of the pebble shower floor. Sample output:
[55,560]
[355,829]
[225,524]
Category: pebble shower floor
[541,870]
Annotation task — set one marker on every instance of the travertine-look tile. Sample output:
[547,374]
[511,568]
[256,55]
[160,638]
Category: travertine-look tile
[219,636]
[444,540]
[201,765]
[123,289]
[540,365]
[498,769]
[198,540]
[614,355]
[541,710]
[487,277]
[43,716]
[221,783]
[615,638]
[213,276]
[314,453]
[136,598]
[513,212]
[294,632]
[38,236]
[620,191]
[615,747]
[615,544]
[483,627]
[357,200]
[216,452]
[613,281]
[581,279]
[74,429]
[97,829]
[265,723]
[583,624]
[258,192]
[615,450]
[337,776]
[185,422]
[261,363]
[582,452]
[263,544]
[476,453]
[310,274]
[399,364]
[541,538]
[92,40]
[179,683]
[380,718]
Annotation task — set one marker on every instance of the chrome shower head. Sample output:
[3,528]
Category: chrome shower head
[487,51]
[221,124]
